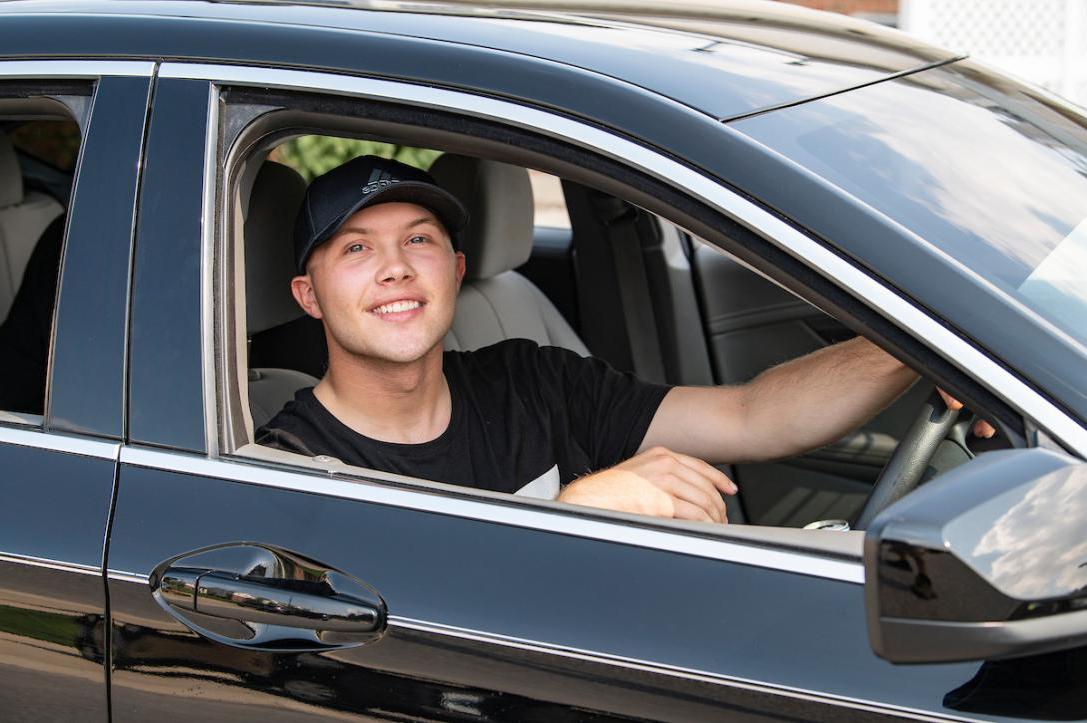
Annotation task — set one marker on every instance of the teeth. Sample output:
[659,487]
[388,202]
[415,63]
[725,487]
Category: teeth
[397,306]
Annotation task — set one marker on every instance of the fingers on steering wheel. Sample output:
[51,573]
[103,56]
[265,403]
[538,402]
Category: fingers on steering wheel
[952,403]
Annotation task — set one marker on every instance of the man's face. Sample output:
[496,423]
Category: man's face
[385,285]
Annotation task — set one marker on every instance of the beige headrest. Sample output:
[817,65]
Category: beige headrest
[499,202]
[11,175]
[269,246]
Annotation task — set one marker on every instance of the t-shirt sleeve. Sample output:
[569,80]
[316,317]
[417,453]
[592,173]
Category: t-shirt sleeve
[609,411]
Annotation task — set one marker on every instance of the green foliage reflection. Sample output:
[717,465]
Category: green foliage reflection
[313,155]
[40,625]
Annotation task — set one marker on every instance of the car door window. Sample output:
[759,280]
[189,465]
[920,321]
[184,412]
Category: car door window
[284,349]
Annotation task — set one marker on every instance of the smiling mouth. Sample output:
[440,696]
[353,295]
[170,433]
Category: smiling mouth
[396,307]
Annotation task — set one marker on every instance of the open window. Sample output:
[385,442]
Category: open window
[645,278]
[39,146]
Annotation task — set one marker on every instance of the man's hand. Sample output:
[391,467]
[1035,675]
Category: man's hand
[656,482]
[981,427]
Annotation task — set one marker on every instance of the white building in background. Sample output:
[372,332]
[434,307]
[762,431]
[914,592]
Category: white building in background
[1043,41]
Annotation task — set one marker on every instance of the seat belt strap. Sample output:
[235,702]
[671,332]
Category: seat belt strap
[634,292]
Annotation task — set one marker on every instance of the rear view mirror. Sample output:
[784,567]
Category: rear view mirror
[988,561]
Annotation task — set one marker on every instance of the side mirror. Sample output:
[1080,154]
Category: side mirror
[987,561]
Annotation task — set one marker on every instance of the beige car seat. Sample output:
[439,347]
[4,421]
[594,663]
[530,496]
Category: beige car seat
[24,215]
[496,302]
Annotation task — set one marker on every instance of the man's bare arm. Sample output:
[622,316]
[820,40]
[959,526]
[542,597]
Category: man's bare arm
[788,409]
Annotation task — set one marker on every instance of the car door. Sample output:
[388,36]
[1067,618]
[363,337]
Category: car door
[250,583]
[59,459]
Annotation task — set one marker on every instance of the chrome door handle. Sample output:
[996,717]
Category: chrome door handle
[259,597]
[271,601]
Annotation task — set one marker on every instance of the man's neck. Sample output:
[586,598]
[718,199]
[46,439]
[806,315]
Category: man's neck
[406,403]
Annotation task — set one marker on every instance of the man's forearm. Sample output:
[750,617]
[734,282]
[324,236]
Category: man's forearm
[818,398]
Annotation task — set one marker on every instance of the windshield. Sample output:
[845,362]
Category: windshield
[980,168]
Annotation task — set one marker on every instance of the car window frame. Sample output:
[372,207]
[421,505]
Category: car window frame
[234,461]
[71,85]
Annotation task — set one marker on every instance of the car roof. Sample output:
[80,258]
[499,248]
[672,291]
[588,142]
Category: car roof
[728,59]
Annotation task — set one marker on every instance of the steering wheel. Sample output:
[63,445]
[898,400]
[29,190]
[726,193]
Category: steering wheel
[903,472]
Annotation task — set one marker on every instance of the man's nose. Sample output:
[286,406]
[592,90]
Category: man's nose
[395,266]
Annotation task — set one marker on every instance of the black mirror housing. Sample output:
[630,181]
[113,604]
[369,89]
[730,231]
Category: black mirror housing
[988,561]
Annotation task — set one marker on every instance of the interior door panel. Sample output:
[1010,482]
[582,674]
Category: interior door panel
[753,324]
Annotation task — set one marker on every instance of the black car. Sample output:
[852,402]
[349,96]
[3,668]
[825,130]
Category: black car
[742,186]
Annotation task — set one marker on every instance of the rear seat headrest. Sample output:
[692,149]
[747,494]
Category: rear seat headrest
[498,197]
[11,174]
[269,246]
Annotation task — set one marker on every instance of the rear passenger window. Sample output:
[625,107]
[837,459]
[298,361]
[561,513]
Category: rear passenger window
[38,151]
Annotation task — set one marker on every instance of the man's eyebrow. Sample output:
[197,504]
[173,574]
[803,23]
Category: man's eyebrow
[421,220]
[366,231]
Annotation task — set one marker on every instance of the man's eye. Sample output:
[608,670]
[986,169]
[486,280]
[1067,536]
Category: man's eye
[418,240]
[355,248]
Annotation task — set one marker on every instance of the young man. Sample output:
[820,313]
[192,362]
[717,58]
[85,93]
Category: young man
[378,265]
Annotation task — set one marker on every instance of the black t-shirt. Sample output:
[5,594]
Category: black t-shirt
[524,419]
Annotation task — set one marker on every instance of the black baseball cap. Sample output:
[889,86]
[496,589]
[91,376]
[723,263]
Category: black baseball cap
[364,181]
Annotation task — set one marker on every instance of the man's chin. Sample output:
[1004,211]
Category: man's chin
[408,354]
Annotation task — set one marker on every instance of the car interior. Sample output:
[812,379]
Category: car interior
[37,155]
[620,283]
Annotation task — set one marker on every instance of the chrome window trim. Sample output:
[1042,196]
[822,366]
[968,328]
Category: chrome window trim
[901,312]
[122,576]
[78,69]
[535,516]
[59,443]
[207,273]
[45,562]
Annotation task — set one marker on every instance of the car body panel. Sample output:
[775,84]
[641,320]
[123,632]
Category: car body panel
[545,590]
[720,75]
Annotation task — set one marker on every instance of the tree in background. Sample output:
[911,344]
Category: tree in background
[313,155]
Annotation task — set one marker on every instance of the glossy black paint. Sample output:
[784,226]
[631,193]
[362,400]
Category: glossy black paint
[598,98]
[92,317]
[744,73]
[51,615]
[564,591]
[166,403]
[52,635]
[962,562]
[55,504]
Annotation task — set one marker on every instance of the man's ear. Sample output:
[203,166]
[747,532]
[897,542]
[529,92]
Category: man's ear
[462,267]
[302,290]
